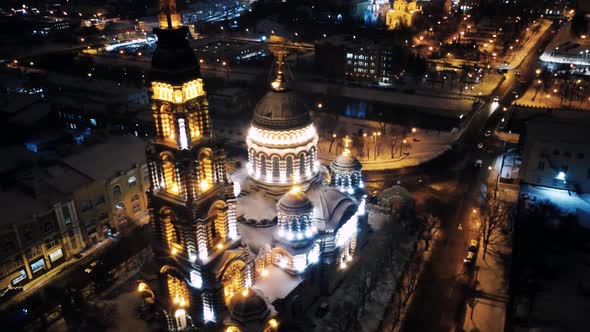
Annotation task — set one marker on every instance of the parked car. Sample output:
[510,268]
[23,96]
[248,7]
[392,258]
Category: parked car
[478,163]
[470,258]
[488,133]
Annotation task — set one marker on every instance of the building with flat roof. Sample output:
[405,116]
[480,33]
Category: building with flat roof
[355,58]
[556,153]
[39,229]
[114,198]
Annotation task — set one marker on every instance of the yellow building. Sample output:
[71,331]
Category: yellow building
[401,14]
[114,198]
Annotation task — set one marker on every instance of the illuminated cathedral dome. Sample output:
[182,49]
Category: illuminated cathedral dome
[346,162]
[249,312]
[345,171]
[282,141]
[294,202]
[247,305]
[295,216]
[279,110]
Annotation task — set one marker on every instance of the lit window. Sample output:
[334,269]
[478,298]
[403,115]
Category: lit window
[132,181]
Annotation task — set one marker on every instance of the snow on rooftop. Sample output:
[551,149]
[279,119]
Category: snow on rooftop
[106,159]
[18,206]
[65,179]
[256,237]
[257,205]
[277,284]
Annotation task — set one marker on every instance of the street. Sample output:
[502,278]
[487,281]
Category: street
[443,290]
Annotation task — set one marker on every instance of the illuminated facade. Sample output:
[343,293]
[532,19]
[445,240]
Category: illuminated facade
[191,205]
[401,14]
[222,273]
[313,230]
[345,171]
[282,141]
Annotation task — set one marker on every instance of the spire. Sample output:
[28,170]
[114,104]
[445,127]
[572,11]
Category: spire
[346,141]
[278,48]
[169,18]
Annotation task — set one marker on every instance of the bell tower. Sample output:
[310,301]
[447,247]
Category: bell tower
[191,202]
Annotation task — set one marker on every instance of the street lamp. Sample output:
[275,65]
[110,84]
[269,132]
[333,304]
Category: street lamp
[143,288]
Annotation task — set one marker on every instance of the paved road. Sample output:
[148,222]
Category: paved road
[440,299]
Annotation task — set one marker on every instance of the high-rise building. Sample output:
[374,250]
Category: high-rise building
[192,208]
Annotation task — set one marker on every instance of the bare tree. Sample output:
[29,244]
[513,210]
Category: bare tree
[430,227]
[363,288]
[411,277]
[397,306]
[492,218]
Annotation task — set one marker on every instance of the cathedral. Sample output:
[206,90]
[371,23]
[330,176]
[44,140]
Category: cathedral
[401,14]
[246,254]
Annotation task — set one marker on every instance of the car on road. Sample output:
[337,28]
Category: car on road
[488,133]
[472,246]
[470,258]
[92,266]
[78,256]
[496,99]
[478,163]
[480,145]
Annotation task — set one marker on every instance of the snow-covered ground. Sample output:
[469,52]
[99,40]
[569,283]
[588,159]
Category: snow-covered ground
[517,59]
[487,312]
[421,146]
[536,97]
[566,202]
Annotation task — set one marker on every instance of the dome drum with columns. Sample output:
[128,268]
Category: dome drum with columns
[295,218]
[345,171]
[282,141]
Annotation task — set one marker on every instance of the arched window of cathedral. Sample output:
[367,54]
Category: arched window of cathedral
[170,178]
[167,120]
[172,236]
[205,170]
[302,164]
[262,165]
[252,160]
[232,279]
[213,230]
[194,125]
[275,167]
[289,167]
[178,291]
[177,235]
[218,214]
